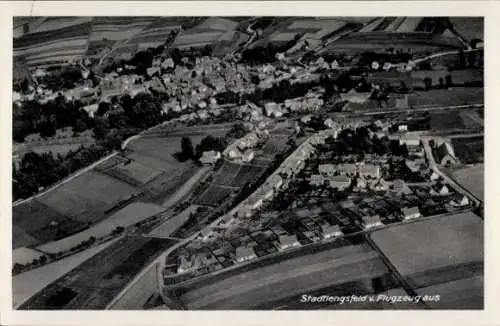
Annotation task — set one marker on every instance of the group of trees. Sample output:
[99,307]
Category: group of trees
[45,119]
[209,143]
[42,170]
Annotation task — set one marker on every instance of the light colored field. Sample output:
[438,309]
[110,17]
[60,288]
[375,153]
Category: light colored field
[218,23]
[467,293]
[173,223]
[410,24]
[472,178]
[55,149]
[24,255]
[55,23]
[138,171]
[87,196]
[25,285]
[469,27]
[202,37]
[294,276]
[325,27]
[125,217]
[432,244]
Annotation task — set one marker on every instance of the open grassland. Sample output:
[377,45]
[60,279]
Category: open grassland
[471,178]
[28,283]
[441,121]
[293,277]
[94,283]
[435,251]
[125,217]
[87,197]
[135,172]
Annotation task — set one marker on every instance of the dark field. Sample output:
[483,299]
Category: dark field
[94,283]
[446,120]
[469,150]
[444,97]
[40,223]
[248,173]
[227,174]
[213,195]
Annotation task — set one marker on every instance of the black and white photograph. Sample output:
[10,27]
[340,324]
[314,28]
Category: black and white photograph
[248,163]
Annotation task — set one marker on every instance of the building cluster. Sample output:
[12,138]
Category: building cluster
[311,102]
[242,150]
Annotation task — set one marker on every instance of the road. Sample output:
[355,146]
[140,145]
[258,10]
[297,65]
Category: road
[434,166]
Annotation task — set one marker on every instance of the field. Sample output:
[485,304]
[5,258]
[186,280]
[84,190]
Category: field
[469,150]
[472,178]
[137,173]
[173,223]
[34,222]
[442,249]
[469,27]
[28,283]
[213,195]
[444,97]
[247,173]
[227,173]
[24,255]
[139,294]
[345,268]
[93,284]
[458,77]
[125,217]
[467,293]
[442,121]
[87,197]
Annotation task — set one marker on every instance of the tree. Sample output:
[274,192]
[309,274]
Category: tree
[427,83]
[255,80]
[187,150]
[448,80]
[441,83]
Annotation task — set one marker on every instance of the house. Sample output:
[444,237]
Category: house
[288,242]
[369,171]
[347,169]
[91,109]
[326,169]
[330,231]
[441,190]
[371,221]
[247,156]
[244,254]
[403,127]
[254,201]
[463,201]
[411,213]
[316,180]
[444,154]
[210,157]
[339,182]
[354,97]
[414,166]
[409,142]
[311,235]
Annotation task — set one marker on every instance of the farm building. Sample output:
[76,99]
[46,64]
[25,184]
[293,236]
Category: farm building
[369,171]
[445,155]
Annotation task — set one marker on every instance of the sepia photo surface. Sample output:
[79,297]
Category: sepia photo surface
[248,163]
